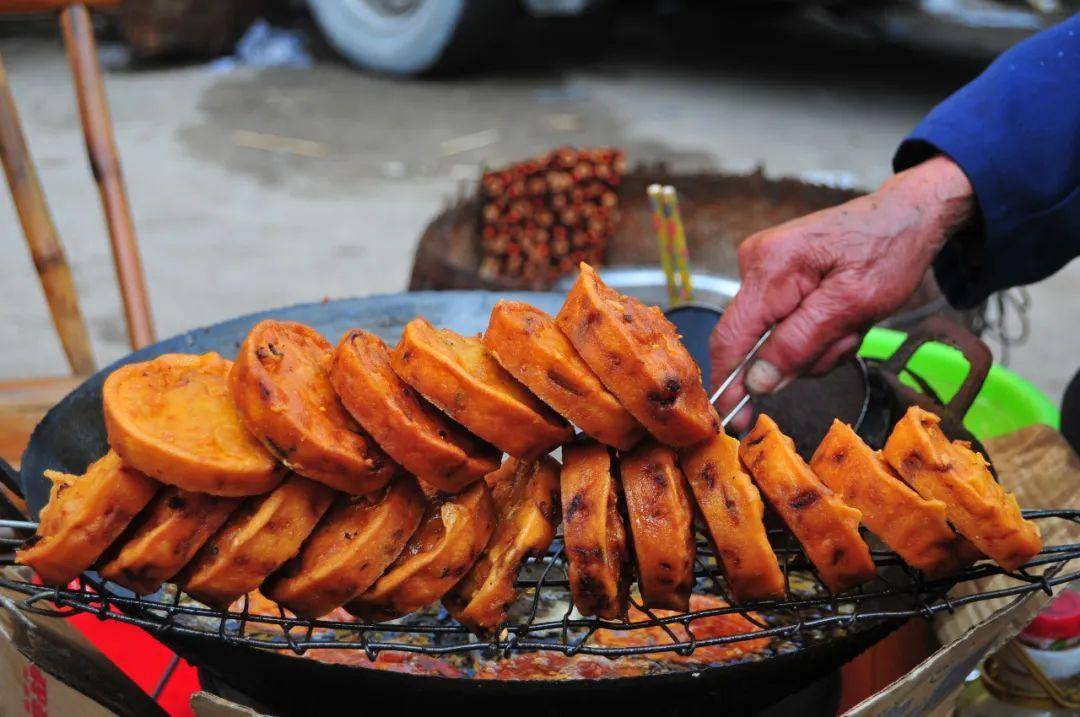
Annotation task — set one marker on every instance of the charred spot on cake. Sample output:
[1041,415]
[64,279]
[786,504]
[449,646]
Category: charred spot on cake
[591,554]
[708,475]
[754,439]
[730,504]
[804,499]
[655,473]
[578,507]
[265,390]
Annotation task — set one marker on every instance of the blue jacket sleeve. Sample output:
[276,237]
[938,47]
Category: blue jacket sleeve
[1015,132]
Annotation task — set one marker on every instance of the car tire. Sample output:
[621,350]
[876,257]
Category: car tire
[412,37]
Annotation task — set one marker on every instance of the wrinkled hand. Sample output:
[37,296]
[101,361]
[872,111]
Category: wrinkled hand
[822,280]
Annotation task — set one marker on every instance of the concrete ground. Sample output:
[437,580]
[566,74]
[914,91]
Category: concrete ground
[229,224]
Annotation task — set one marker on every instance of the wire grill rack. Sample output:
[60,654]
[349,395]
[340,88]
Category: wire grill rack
[544,618]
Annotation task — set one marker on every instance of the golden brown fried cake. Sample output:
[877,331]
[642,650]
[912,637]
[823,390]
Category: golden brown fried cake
[636,353]
[594,531]
[734,513]
[462,378]
[912,526]
[827,529]
[350,548]
[661,519]
[415,434]
[525,497]
[173,419]
[527,343]
[164,537]
[281,386]
[951,472]
[450,538]
[256,540]
[85,514]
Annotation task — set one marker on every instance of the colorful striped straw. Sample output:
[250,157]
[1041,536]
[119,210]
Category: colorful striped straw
[678,240]
[663,240]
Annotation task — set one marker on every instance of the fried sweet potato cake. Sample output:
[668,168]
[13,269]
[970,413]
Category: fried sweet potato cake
[594,531]
[351,547]
[450,538]
[951,472]
[661,519]
[636,353]
[281,386]
[527,343]
[525,497]
[415,434]
[173,419]
[85,514]
[164,537]
[460,376]
[827,529]
[916,528]
[255,541]
[734,513]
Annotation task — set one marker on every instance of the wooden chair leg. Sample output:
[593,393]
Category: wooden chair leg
[105,163]
[41,235]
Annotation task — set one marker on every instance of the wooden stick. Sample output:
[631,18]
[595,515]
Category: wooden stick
[41,236]
[105,165]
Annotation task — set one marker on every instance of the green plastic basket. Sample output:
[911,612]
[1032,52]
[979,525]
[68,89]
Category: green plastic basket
[1006,402]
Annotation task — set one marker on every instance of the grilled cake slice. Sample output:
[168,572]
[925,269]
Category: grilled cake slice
[949,471]
[85,514]
[460,376]
[733,512]
[256,540]
[661,518]
[281,385]
[354,543]
[451,536]
[827,529]
[164,537]
[636,353]
[914,527]
[594,531]
[525,497]
[527,343]
[173,419]
[412,431]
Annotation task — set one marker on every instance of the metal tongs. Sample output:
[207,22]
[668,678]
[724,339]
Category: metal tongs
[731,378]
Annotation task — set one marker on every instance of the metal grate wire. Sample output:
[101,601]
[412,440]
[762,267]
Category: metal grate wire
[547,620]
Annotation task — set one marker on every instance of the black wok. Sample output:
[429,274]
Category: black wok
[72,434]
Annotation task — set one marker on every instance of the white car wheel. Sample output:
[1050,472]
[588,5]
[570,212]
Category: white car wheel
[401,37]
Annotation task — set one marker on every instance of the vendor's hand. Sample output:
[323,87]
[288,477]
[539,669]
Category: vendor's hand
[823,279]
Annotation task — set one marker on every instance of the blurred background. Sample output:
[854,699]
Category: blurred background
[277,152]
